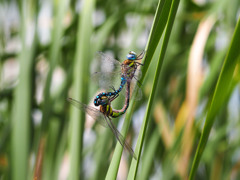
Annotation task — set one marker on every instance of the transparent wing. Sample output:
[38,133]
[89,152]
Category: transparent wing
[107,79]
[120,138]
[136,87]
[91,111]
[106,59]
[135,84]
[103,120]
[138,74]
[107,71]
[105,63]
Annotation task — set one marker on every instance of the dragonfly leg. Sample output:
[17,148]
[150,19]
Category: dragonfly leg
[140,56]
[120,137]
[138,63]
[112,87]
[137,81]
[114,97]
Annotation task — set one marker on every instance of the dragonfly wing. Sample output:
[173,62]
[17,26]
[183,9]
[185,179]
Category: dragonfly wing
[138,73]
[108,59]
[105,63]
[91,111]
[106,79]
[120,137]
[135,87]
[135,84]
[103,120]
[107,72]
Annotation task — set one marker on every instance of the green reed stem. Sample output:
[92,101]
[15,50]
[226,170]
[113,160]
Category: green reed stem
[57,34]
[155,35]
[80,86]
[22,96]
[220,96]
[172,15]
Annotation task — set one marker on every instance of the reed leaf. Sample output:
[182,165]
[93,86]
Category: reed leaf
[81,72]
[220,96]
[20,139]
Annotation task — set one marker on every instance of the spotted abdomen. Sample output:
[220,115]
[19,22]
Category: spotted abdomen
[99,99]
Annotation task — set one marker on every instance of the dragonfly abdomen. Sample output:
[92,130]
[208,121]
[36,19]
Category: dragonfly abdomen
[126,104]
[98,99]
[123,82]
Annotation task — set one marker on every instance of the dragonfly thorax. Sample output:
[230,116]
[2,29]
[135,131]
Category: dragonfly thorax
[106,110]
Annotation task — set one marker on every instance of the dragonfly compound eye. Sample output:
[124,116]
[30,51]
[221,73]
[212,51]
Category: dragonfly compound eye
[97,101]
[132,55]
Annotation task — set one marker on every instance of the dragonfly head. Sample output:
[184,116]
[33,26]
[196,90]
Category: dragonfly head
[101,101]
[131,55]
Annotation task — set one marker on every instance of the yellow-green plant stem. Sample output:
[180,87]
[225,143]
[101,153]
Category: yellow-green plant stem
[220,95]
[22,96]
[80,86]
[134,164]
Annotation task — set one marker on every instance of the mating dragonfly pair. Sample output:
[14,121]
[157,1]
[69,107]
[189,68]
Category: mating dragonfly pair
[104,114]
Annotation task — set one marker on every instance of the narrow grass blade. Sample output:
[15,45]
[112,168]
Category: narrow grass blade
[39,159]
[159,24]
[57,34]
[80,86]
[60,154]
[149,154]
[102,154]
[156,31]
[134,164]
[55,47]
[217,62]
[23,95]
[50,150]
[220,95]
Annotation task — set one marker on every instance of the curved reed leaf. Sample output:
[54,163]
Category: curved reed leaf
[53,58]
[80,86]
[148,157]
[47,164]
[20,138]
[172,14]
[156,31]
[220,95]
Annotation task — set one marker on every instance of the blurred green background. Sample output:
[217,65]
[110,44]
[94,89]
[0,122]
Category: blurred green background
[190,87]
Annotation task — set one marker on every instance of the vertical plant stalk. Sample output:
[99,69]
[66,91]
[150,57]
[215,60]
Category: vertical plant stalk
[22,95]
[80,86]
[134,164]
[57,34]
[148,157]
[54,54]
[193,88]
[162,121]
[155,35]
[221,94]
[39,161]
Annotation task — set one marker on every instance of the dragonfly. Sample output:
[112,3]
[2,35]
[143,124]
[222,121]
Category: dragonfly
[128,71]
[104,116]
